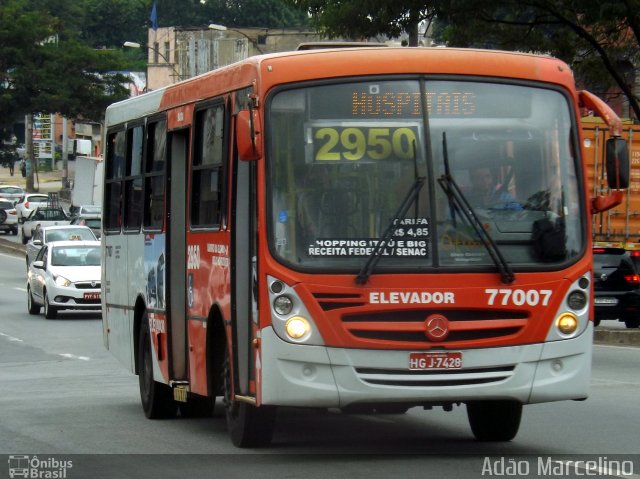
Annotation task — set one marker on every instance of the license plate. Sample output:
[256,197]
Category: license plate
[91,296]
[430,361]
[607,301]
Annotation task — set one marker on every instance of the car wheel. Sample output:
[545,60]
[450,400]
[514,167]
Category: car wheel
[31,305]
[494,420]
[248,425]
[50,312]
[14,231]
[24,238]
[632,323]
[157,398]
[3,216]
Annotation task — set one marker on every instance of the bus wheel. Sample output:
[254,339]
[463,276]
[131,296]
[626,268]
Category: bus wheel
[248,425]
[494,420]
[157,398]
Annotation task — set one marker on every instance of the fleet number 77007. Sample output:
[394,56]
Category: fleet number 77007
[518,297]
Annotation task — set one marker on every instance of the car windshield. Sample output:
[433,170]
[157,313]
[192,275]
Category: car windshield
[5,205]
[71,234]
[9,190]
[344,157]
[75,256]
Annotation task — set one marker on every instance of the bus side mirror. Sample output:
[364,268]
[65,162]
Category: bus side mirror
[617,164]
[248,135]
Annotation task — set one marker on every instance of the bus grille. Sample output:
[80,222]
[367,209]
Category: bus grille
[409,326]
[443,378]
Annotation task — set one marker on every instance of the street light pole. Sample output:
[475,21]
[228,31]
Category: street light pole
[159,53]
[222,28]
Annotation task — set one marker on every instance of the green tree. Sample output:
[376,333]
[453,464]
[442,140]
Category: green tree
[367,18]
[231,13]
[44,67]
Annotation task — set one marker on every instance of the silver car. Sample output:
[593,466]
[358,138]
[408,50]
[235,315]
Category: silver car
[65,275]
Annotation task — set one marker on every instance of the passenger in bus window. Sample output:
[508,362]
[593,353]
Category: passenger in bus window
[487,193]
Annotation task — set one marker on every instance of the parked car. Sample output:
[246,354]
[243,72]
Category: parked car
[65,275]
[92,221]
[29,202]
[11,192]
[617,285]
[8,217]
[57,233]
[41,217]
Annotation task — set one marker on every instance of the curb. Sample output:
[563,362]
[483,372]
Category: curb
[617,337]
[10,247]
[614,337]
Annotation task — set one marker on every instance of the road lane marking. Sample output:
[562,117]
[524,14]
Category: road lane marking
[73,356]
[11,338]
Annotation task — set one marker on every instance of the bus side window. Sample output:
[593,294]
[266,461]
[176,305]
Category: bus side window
[207,183]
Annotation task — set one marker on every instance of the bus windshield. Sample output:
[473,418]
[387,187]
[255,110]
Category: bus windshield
[343,157]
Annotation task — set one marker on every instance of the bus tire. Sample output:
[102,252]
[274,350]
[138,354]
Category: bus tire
[248,425]
[494,420]
[157,398]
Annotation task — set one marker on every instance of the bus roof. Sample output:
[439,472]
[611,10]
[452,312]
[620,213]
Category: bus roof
[265,71]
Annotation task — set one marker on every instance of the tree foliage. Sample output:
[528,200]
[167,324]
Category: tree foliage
[359,19]
[231,13]
[44,67]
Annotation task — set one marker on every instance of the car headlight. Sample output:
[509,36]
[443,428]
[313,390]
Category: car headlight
[62,281]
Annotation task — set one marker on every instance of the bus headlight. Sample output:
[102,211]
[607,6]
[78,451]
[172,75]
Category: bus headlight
[297,328]
[282,305]
[567,323]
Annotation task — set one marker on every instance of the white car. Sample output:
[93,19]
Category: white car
[42,217]
[8,217]
[57,233]
[11,192]
[29,202]
[65,275]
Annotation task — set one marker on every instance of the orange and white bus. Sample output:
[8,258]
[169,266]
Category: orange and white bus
[314,229]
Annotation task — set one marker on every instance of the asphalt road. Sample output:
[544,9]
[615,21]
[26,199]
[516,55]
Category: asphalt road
[64,398]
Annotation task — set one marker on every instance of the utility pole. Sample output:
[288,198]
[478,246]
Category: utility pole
[65,154]
[29,156]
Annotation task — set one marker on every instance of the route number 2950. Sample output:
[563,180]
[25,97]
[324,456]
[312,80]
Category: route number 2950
[518,297]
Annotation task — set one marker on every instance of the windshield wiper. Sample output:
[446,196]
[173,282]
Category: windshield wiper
[458,202]
[374,257]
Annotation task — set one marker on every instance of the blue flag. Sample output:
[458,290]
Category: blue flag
[154,16]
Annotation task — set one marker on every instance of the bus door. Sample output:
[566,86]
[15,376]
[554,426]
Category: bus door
[178,142]
[244,272]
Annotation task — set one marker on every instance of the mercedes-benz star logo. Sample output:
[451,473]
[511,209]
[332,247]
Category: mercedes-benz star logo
[437,327]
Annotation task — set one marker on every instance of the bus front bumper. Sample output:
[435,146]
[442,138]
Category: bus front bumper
[318,376]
